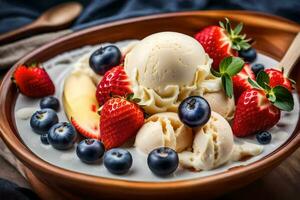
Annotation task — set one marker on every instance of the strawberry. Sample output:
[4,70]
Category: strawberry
[258,108]
[254,113]
[33,81]
[120,120]
[114,82]
[221,41]
[240,81]
[277,78]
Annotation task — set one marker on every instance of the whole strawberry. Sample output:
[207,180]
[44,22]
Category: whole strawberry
[240,81]
[120,120]
[277,78]
[221,41]
[258,109]
[114,82]
[33,81]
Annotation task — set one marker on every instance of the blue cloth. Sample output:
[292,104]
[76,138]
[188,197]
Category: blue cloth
[17,13]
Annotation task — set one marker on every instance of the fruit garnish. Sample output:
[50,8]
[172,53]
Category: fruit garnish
[81,105]
[240,81]
[42,120]
[115,82]
[194,111]
[163,161]
[264,137]
[62,136]
[105,58]
[49,102]
[222,41]
[257,68]
[249,55]
[258,109]
[33,81]
[120,120]
[229,67]
[280,96]
[117,161]
[277,77]
[90,150]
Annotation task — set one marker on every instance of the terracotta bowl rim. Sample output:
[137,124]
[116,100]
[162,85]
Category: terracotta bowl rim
[42,167]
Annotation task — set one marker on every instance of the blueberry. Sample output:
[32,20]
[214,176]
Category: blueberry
[264,137]
[62,136]
[42,120]
[104,58]
[44,138]
[90,150]
[163,161]
[257,68]
[117,160]
[49,102]
[194,111]
[249,55]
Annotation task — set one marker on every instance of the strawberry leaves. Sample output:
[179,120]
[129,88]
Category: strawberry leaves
[279,96]
[239,42]
[229,67]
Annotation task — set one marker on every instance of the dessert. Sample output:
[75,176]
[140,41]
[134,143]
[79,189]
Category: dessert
[170,98]
[212,146]
[165,68]
[163,130]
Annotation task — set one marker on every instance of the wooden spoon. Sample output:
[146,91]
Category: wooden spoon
[55,18]
[291,57]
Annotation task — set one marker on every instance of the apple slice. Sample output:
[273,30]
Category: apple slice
[80,104]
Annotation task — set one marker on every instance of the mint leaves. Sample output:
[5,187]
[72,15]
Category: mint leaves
[279,96]
[229,67]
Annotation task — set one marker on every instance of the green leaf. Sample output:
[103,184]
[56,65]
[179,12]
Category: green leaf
[227,85]
[284,99]
[263,80]
[221,24]
[271,97]
[253,83]
[238,29]
[235,66]
[225,63]
[215,73]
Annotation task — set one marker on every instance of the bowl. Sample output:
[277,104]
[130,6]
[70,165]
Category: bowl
[65,183]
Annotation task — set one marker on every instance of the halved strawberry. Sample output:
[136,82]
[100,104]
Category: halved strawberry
[87,131]
[240,81]
[221,41]
[277,78]
[120,120]
[33,81]
[254,113]
[258,108]
[114,82]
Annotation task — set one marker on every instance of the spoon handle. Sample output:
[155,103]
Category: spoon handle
[22,32]
[291,57]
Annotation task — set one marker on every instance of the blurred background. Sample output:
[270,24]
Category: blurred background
[17,14]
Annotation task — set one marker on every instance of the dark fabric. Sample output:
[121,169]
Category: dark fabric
[10,191]
[16,13]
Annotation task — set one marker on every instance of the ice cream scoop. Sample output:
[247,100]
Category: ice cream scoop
[220,103]
[163,130]
[165,68]
[212,146]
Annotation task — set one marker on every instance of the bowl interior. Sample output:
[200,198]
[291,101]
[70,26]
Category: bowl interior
[59,68]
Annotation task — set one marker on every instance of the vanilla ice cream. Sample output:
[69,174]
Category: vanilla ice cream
[165,68]
[163,130]
[221,104]
[212,146]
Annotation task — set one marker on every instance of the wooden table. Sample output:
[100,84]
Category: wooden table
[281,183]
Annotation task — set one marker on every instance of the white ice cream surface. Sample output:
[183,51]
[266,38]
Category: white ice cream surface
[60,66]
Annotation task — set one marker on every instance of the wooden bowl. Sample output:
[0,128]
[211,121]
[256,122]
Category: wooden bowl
[273,36]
